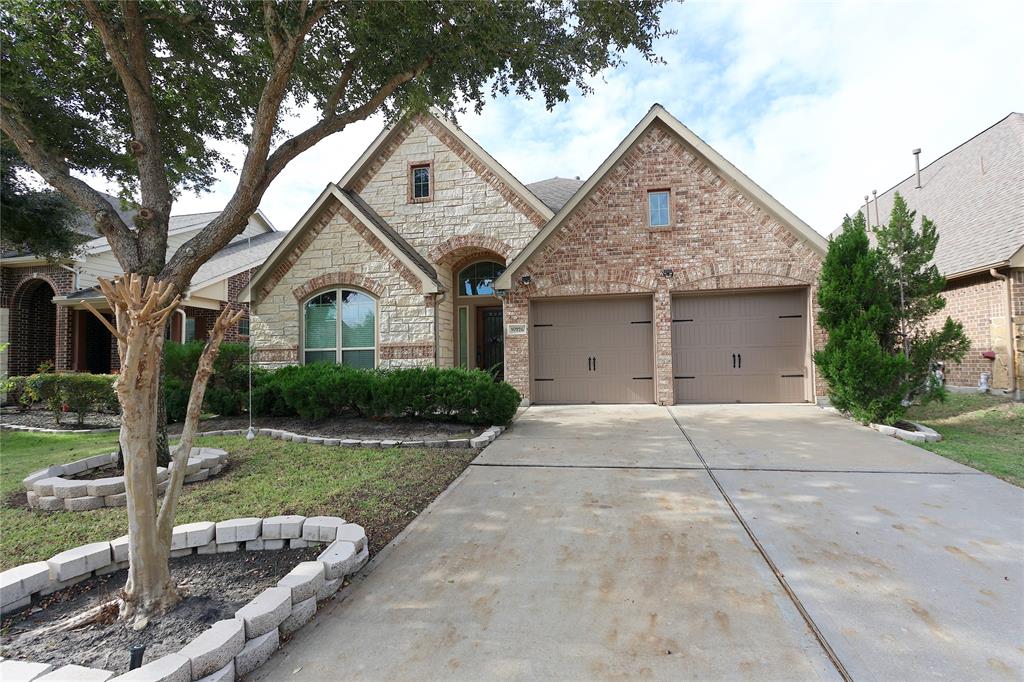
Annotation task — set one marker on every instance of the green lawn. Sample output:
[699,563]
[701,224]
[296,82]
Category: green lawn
[982,431]
[380,489]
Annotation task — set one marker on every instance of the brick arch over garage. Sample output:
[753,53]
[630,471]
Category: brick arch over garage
[743,275]
[341,278]
[458,247]
[591,282]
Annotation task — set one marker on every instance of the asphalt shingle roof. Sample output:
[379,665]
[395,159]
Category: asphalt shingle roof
[555,192]
[238,256]
[975,196]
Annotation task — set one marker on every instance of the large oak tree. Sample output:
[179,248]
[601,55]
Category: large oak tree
[141,93]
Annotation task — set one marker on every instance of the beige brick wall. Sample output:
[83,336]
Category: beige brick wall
[466,199]
[718,239]
[341,254]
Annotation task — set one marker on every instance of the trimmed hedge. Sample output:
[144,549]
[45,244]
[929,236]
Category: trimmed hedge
[227,393]
[317,391]
[80,393]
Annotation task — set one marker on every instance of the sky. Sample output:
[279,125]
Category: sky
[819,103]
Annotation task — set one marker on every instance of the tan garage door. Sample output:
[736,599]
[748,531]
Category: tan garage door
[592,351]
[740,348]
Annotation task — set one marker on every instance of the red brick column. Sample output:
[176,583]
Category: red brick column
[664,393]
[517,348]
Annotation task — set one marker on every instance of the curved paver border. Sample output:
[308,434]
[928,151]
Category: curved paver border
[55,488]
[231,647]
[923,434]
[40,429]
[481,441]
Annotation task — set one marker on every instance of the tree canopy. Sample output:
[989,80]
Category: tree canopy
[144,94]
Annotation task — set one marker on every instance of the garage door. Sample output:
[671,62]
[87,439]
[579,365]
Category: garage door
[592,351]
[740,347]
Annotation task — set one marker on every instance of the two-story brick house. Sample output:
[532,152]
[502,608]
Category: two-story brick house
[666,276]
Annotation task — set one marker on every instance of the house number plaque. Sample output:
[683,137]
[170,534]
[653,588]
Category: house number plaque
[515,330]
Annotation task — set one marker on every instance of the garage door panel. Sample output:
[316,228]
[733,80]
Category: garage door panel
[592,351]
[740,347]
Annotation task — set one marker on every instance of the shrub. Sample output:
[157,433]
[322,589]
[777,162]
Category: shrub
[80,393]
[14,389]
[227,393]
[317,391]
[267,399]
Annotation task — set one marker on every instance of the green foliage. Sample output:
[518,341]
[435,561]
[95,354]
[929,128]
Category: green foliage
[210,62]
[875,304]
[227,392]
[317,391]
[79,393]
[37,221]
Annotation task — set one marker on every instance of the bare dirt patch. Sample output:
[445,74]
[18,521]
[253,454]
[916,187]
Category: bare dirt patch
[218,586]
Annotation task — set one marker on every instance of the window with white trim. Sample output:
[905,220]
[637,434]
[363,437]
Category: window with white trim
[658,208]
[349,338]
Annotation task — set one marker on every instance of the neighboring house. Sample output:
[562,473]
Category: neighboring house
[975,196]
[41,304]
[667,276]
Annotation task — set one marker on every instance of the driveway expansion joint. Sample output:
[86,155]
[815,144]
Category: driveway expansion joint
[812,626]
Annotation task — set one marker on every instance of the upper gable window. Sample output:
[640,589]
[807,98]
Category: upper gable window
[658,207]
[421,182]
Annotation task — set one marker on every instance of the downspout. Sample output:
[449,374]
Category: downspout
[1011,364]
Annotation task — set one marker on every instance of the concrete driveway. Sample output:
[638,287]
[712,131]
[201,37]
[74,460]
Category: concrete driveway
[591,542]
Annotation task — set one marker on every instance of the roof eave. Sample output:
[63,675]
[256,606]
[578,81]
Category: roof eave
[658,113]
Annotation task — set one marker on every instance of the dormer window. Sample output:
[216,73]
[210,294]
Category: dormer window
[659,207]
[421,182]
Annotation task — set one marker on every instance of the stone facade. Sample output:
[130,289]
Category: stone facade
[338,252]
[717,239]
[472,213]
[979,303]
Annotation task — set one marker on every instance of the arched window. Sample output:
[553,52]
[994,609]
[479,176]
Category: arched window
[349,338]
[478,279]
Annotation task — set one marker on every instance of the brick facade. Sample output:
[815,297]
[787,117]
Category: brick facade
[38,330]
[979,303]
[718,239]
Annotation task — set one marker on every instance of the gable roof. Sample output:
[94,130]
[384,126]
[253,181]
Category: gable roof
[556,191]
[489,162]
[975,195]
[236,257]
[658,113]
[401,249]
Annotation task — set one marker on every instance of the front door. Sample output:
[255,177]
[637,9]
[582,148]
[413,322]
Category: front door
[490,340]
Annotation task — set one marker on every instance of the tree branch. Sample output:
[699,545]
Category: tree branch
[55,171]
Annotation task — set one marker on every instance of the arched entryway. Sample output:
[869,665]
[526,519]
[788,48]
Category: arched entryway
[479,319]
[33,328]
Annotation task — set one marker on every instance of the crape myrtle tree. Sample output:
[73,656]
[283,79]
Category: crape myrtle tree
[876,302]
[143,94]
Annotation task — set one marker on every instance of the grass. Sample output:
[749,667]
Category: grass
[382,490]
[982,431]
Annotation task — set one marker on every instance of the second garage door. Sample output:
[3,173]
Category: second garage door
[592,351]
[733,348]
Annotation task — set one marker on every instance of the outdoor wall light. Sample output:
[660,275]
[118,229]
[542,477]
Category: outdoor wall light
[525,279]
[667,272]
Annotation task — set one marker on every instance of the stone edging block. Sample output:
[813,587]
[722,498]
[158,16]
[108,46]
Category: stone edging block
[55,488]
[235,646]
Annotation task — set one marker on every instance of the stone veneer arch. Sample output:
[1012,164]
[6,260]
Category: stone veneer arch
[454,248]
[339,278]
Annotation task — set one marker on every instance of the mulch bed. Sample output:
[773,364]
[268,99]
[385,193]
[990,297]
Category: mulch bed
[218,584]
[336,427]
[41,418]
[345,427]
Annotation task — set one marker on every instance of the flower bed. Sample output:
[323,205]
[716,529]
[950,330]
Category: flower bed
[480,441]
[230,647]
[55,488]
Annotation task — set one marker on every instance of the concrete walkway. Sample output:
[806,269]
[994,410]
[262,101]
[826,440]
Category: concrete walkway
[591,542]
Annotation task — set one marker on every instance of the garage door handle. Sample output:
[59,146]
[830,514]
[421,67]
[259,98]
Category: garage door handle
[595,363]
[734,361]
[590,364]
[740,358]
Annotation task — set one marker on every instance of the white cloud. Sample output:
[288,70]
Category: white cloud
[817,102]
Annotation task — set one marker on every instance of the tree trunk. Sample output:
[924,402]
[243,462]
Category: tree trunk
[140,317]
